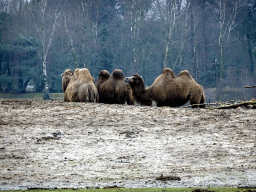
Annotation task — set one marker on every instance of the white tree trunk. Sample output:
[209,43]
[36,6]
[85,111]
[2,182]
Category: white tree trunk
[46,95]
[172,20]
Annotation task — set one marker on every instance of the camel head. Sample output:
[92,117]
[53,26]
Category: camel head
[136,82]
[141,95]
[67,72]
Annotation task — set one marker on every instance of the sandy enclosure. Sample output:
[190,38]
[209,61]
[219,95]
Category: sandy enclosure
[47,144]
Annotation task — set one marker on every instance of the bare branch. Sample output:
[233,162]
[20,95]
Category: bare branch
[70,40]
[232,20]
[37,29]
[53,30]
[32,44]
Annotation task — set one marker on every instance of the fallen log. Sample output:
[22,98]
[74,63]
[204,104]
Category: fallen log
[210,104]
[250,86]
[226,105]
[233,106]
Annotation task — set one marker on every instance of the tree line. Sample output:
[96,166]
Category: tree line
[215,40]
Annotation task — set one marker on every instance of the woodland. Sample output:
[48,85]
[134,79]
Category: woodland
[215,40]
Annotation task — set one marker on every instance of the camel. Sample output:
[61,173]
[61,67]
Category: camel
[168,90]
[81,87]
[115,90]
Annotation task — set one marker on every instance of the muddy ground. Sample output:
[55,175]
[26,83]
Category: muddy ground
[47,144]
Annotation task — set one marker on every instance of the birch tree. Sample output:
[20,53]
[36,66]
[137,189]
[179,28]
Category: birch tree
[78,16]
[226,25]
[85,13]
[45,23]
[171,20]
[135,26]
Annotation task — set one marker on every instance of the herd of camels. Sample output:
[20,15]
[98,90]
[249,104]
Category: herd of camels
[166,90]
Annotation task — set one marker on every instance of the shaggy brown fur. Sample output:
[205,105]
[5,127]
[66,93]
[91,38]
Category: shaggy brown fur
[168,90]
[81,87]
[66,77]
[116,90]
[104,75]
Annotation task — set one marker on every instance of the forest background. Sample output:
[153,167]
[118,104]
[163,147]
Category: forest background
[215,40]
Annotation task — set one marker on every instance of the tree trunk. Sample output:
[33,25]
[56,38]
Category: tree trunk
[143,64]
[46,95]
[134,20]
[193,42]
[221,54]
[171,22]
[205,62]
[85,14]
[252,65]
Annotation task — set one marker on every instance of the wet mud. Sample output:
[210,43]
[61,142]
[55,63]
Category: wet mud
[52,144]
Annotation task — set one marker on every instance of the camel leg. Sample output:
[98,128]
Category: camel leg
[194,100]
[202,102]
[197,100]
[130,100]
[159,104]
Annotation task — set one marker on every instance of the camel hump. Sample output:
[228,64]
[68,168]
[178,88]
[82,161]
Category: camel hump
[104,74]
[76,75]
[118,74]
[85,75]
[85,72]
[168,71]
[185,73]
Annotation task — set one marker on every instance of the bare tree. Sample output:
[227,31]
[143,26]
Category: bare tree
[70,40]
[226,25]
[171,20]
[169,11]
[135,29]
[45,25]
[85,14]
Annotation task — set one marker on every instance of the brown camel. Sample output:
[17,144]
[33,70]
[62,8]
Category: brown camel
[115,90]
[168,90]
[104,75]
[81,87]
[66,77]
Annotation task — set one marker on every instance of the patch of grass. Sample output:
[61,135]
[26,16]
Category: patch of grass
[146,190]
[53,96]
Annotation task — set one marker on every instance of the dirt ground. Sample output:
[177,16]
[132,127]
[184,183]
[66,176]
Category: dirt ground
[47,144]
